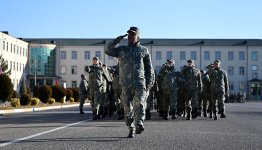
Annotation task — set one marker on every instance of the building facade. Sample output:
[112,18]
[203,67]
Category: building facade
[62,61]
[15,52]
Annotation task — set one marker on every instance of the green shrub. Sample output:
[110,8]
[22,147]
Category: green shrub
[6,88]
[25,99]
[72,99]
[75,94]
[58,93]
[69,94]
[14,95]
[44,93]
[15,102]
[34,101]
[63,101]
[51,101]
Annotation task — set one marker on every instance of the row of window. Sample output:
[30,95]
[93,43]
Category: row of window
[16,66]
[87,56]
[241,86]
[14,49]
[193,55]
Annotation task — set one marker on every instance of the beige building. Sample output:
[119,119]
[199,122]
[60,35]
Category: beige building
[15,52]
[62,61]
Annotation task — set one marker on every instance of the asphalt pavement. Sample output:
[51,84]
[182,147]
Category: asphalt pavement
[66,129]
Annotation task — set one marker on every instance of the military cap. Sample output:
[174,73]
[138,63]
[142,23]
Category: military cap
[171,60]
[217,62]
[133,29]
[96,58]
[210,65]
[190,61]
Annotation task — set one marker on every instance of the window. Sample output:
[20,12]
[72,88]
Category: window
[254,56]
[74,55]
[218,55]
[87,55]
[206,55]
[10,65]
[6,46]
[241,71]
[63,70]
[74,69]
[169,55]
[230,55]
[230,70]
[14,66]
[63,55]
[23,67]
[193,55]
[231,86]
[3,45]
[241,55]
[98,54]
[158,55]
[254,67]
[182,55]
[23,52]
[110,57]
[74,84]
[20,68]
[20,51]
[11,47]
[17,66]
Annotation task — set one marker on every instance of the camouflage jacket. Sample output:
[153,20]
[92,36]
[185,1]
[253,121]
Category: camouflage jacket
[135,66]
[169,77]
[96,76]
[219,81]
[83,87]
[206,83]
[192,79]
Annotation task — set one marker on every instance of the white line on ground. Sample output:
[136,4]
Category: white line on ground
[42,133]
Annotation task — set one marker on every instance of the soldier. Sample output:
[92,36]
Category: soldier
[169,86]
[83,93]
[205,94]
[117,91]
[96,80]
[136,77]
[193,83]
[219,89]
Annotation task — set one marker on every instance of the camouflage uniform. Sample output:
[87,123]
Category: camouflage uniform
[96,81]
[83,93]
[169,86]
[219,88]
[205,95]
[136,76]
[193,83]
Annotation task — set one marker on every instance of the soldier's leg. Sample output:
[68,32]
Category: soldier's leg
[165,104]
[204,106]
[139,98]
[188,106]
[173,103]
[81,104]
[194,103]
[221,104]
[127,99]
[149,105]
[213,105]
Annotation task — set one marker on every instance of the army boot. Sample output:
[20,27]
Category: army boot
[95,115]
[173,113]
[139,129]
[131,134]
[165,116]
[222,115]
[81,111]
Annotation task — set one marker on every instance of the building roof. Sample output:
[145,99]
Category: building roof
[152,42]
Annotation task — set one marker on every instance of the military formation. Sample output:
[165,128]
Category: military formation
[132,88]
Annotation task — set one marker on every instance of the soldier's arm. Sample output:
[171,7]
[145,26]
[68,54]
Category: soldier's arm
[88,69]
[112,48]
[149,71]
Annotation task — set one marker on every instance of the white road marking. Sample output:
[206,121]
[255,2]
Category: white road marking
[42,133]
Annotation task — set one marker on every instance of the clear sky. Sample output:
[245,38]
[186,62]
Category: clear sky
[110,18]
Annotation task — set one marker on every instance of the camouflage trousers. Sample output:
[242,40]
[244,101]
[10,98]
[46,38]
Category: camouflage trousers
[218,100]
[192,101]
[117,99]
[169,100]
[96,99]
[133,99]
[150,101]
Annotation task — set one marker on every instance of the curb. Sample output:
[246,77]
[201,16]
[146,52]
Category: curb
[33,109]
